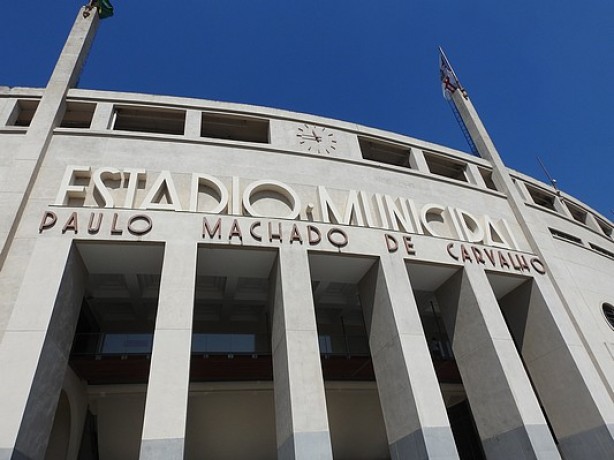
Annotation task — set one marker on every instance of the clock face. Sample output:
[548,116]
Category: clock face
[316,139]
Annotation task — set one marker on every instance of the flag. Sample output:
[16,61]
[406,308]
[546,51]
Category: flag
[449,82]
[105,9]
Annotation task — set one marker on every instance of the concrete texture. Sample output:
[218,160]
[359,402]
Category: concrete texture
[306,446]
[162,449]
[409,393]
[300,403]
[498,389]
[167,395]
[39,336]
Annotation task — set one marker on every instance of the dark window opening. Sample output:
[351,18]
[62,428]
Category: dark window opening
[487,176]
[149,120]
[446,167]
[236,128]
[605,228]
[384,152]
[602,251]
[576,212]
[608,311]
[565,236]
[541,198]
[23,113]
[78,115]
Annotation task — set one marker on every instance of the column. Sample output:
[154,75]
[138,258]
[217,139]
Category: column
[415,416]
[193,120]
[300,406]
[166,404]
[35,348]
[578,406]
[505,408]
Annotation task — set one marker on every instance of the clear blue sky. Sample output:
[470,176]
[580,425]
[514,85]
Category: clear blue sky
[540,72]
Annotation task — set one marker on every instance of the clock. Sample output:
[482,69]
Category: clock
[316,139]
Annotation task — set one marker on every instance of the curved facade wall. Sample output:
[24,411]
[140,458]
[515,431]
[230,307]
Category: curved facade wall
[204,279]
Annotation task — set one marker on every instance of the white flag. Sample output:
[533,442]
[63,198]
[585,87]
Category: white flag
[449,82]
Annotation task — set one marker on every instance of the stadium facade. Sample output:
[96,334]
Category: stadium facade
[192,279]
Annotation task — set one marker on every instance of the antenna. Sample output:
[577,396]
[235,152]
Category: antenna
[550,178]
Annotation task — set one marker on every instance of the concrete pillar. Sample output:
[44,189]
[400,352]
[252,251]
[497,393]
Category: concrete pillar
[7,109]
[474,176]
[506,411]
[36,347]
[103,116]
[164,423]
[193,121]
[415,416]
[300,406]
[570,389]
[417,161]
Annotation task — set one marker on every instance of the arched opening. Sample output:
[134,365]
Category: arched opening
[608,312]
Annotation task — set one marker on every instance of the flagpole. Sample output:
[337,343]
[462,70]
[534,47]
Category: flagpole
[451,68]
[47,117]
[536,234]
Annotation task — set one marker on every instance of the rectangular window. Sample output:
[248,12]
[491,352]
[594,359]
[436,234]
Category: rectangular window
[541,197]
[487,176]
[602,251]
[384,152]
[605,228]
[565,236]
[23,113]
[78,115]
[577,213]
[446,167]
[149,120]
[233,127]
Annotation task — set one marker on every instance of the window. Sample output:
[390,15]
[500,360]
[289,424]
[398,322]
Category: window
[233,127]
[78,115]
[541,197]
[608,312]
[577,213]
[487,176]
[446,167]
[565,236]
[384,152]
[149,120]
[605,228]
[602,251]
[23,113]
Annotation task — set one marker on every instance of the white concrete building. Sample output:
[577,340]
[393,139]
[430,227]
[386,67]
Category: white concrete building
[192,279]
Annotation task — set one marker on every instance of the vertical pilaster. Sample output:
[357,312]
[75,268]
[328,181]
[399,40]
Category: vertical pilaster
[36,346]
[164,423]
[103,116]
[417,160]
[300,405]
[192,123]
[415,416]
[506,410]
[474,176]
